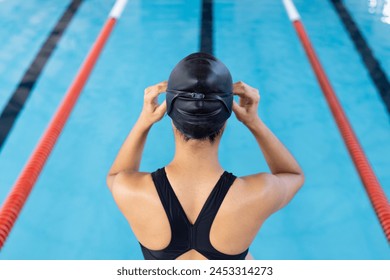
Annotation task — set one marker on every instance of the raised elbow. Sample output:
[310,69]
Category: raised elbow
[110,181]
[301,178]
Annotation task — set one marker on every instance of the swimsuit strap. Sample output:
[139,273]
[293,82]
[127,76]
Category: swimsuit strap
[177,221]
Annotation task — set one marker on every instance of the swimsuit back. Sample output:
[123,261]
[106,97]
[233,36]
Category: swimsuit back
[184,235]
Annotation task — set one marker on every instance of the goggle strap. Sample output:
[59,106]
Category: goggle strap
[200,96]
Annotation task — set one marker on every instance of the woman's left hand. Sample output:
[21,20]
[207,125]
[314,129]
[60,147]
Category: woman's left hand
[152,112]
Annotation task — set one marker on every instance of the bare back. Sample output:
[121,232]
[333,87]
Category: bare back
[237,222]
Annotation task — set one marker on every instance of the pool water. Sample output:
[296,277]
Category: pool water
[70,213]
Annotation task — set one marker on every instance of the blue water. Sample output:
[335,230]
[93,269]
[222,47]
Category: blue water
[70,213]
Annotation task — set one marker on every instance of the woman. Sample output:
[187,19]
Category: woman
[179,211]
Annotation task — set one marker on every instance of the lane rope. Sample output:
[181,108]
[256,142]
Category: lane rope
[19,193]
[374,190]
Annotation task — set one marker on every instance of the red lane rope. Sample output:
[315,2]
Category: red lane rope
[27,178]
[373,188]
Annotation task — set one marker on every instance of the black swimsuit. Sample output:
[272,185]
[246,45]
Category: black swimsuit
[186,236]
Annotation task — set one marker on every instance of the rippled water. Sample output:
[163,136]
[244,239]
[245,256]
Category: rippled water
[70,213]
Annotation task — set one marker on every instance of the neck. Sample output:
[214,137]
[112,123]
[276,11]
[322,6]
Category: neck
[199,156]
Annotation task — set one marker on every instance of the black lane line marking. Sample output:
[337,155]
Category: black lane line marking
[23,90]
[377,74]
[206,36]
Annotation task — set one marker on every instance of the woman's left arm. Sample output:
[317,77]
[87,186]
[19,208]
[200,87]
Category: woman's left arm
[129,156]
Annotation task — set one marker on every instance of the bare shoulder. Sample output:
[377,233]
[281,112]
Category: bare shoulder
[259,192]
[128,187]
[131,180]
[243,211]
[138,200]
[275,190]
[255,184]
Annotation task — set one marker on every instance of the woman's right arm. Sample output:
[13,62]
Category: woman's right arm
[287,176]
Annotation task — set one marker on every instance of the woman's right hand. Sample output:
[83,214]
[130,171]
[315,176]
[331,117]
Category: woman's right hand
[246,110]
[152,111]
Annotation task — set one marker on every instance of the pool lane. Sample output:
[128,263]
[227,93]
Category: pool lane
[373,66]
[70,213]
[206,27]
[332,213]
[357,93]
[49,91]
[19,97]
[22,37]
[373,20]
[45,98]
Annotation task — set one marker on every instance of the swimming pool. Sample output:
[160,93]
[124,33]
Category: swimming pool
[70,213]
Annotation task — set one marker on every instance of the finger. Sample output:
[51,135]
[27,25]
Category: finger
[239,88]
[152,92]
[162,86]
[163,83]
[161,109]
[244,101]
[159,87]
[239,93]
[244,91]
[237,108]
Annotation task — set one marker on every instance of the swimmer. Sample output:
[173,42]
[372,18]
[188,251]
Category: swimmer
[192,208]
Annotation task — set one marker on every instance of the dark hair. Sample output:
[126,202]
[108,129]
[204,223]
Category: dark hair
[211,138]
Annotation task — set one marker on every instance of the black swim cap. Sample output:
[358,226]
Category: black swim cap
[199,95]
